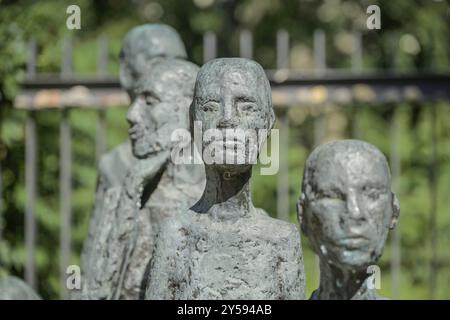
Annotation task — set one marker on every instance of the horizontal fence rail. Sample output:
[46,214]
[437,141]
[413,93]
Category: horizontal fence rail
[293,90]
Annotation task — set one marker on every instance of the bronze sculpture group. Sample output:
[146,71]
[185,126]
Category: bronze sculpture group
[165,230]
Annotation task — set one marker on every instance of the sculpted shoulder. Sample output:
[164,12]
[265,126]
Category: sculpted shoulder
[114,165]
[275,229]
[12,288]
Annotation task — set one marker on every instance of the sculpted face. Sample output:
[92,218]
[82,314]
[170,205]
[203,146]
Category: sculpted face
[347,206]
[232,100]
[142,44]
[161,105]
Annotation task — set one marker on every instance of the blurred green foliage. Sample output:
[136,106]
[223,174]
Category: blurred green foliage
[414,36]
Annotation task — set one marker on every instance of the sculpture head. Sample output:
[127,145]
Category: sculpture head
[161,105]
[347,207]
[232,95]
[142,44]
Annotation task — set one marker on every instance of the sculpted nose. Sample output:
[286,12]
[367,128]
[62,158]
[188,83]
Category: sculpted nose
[225,123]
[228,119]
[353,206]
[133,113]
[227,109]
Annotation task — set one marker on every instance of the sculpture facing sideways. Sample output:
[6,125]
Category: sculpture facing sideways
[153,189]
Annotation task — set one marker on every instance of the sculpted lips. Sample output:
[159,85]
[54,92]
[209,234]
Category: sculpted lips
[354,241]
[231,143]
[355,238]
[135,132]
[228,142]
[228,145]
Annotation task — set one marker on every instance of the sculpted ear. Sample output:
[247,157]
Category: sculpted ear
[272,118]
[395,211]
[301,213]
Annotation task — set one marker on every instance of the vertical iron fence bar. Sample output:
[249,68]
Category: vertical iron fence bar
[320,65]
[396,250]
[65,182]
[320,56]
[100,145]
[282,49]
[31,178]
[433,209]
[209,46]
[65,195]
[434,177]
[395,163]
[31,185]
[1,200]
[246,44]
[283,174]
[1,184]
[357,52]
[356,68]
[31,63]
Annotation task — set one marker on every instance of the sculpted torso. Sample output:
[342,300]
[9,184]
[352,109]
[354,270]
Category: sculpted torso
[256,257]
[125,238]
[169,200]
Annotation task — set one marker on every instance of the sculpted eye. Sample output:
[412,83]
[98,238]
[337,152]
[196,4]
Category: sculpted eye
[372,193]
[335,194]
[210,106]
[150,99]
[248,106]
[330,194]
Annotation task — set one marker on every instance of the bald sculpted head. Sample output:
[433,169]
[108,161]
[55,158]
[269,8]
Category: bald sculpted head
[232,94]
[347,207]
[144,43]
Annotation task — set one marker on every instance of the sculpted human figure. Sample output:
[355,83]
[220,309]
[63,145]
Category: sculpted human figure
[143,46]
[13,288]
[346,210]
[140,46]
[224,247]
[153,189]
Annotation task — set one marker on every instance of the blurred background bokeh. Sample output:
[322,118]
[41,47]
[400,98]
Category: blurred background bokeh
[414,38]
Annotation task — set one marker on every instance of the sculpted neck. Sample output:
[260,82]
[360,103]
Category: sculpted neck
[227,194]
[338,284]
